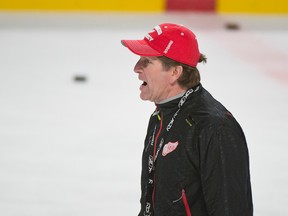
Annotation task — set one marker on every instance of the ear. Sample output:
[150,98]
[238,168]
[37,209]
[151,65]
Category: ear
[175,74]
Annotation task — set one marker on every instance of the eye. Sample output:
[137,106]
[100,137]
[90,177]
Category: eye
[145,62]
[149,61]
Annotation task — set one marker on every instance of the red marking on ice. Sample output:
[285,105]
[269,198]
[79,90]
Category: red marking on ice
[267,59]
[279,75]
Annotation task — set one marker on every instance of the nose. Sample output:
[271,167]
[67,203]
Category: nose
[137,67]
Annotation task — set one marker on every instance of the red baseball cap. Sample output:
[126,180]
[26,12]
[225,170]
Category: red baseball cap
[171,40]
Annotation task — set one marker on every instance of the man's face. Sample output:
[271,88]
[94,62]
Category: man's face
[156,84]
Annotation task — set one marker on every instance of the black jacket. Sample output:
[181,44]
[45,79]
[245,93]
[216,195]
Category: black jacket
[202,168]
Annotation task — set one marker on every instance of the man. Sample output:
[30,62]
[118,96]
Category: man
[195,159]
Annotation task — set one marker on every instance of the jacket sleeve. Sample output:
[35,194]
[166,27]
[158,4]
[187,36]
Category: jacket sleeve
[224,171]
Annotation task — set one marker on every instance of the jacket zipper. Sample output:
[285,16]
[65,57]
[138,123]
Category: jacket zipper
[160,118]
[186,204]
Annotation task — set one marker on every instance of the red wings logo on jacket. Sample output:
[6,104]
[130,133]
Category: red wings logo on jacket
[169,147]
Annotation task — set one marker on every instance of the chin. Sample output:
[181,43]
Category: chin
[144,98]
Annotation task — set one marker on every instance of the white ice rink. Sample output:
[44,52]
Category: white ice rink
[74,149]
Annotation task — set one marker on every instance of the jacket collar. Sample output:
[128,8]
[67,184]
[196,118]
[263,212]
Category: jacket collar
[171,104]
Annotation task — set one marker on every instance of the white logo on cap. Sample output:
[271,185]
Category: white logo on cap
[158,29]
[149,37]
[168,47]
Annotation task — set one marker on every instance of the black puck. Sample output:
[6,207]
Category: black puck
[232,26]
[80,78]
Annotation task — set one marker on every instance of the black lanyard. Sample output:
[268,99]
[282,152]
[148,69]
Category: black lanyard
[154,155]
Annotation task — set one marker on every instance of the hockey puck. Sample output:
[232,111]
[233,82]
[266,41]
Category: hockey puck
[80,78]
[232,26]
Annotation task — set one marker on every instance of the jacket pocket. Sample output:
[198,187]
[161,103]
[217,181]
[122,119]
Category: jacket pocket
[186,204]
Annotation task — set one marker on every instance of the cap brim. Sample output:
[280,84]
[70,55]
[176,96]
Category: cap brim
[140,47]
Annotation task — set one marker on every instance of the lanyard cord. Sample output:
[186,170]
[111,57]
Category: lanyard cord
[153,157]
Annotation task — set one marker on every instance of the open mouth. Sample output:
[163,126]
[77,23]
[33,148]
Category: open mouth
[144,84]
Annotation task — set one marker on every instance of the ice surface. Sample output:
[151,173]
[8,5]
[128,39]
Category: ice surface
[69,148]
